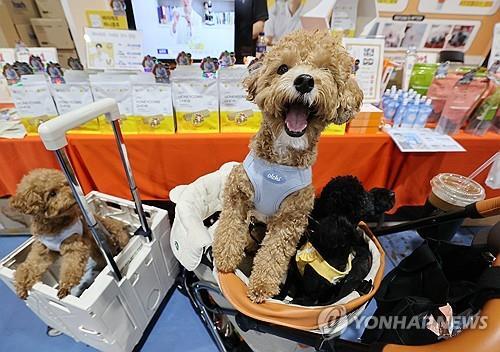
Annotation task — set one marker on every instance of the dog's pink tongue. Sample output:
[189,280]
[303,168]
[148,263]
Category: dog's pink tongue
[296,118]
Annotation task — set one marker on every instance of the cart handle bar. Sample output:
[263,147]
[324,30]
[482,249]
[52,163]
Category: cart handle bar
[53,132]
[481,209]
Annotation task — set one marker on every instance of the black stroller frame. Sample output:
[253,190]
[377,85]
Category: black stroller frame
[195,290]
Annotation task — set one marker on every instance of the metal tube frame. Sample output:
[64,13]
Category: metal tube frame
[146,230]
[203,311]
[98,231]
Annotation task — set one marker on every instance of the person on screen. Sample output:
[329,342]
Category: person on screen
[284,17]
[118,7]
[250,18]
[101,58]
[184,21]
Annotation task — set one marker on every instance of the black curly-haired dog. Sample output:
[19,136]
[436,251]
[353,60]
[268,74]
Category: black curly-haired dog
[346,196]
[334,234]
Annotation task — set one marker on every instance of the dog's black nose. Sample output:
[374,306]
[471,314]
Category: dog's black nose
[304,83]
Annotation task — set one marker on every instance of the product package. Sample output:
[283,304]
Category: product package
[483,117]
[333,129]
[74,93]
[33,101]
[493,178]
[422,76]
[118,87]
[237,114]
[152,104]
[195,100]
[464,98]
[439,91]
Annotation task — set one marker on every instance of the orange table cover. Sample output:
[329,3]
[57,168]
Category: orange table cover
[160,162]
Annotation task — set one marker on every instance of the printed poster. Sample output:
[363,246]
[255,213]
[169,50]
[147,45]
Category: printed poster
[459,7]
[113,49]
[422,140]
[369,59]
[105,19]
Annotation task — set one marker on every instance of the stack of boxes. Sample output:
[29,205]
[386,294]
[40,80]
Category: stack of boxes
[21,11]
[36,23]
[369,119]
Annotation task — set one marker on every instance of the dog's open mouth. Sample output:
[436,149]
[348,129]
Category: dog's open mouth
[297,118]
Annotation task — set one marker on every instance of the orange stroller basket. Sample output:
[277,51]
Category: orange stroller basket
[301,317]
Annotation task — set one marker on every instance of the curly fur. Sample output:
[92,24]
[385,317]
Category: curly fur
[343,203]
[45,195]
[346,196]
[335,98]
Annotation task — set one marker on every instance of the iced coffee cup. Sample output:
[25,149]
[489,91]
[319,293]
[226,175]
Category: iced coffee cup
[450,192]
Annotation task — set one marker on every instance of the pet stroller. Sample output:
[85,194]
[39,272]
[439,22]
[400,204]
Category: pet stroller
[276,325]
[113,313]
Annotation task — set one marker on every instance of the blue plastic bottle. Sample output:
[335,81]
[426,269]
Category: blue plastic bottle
[423,114]
[385,99]
[403,96]
[392,107]
[411,114]
[400,113]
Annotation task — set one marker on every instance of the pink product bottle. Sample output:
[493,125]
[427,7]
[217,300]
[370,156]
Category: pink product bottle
[462,100]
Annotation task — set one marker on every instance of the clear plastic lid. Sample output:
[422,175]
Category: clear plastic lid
[456,189]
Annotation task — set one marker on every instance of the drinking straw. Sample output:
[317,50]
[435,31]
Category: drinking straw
[483,166]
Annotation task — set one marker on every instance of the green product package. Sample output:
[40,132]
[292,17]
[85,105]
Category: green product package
[483,117]
[488,110]
[421,77]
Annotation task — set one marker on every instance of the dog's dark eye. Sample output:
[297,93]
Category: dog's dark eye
[282,69]
[52,194]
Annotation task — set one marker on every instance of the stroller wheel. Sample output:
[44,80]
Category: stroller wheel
[224,327]
[181,282]
[52,332]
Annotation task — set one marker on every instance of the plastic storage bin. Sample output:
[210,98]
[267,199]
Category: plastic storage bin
[112,314]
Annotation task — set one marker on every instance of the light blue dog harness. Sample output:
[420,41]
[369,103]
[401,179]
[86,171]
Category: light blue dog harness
[53,242]
[272,183]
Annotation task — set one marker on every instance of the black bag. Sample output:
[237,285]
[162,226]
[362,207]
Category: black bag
[435,274]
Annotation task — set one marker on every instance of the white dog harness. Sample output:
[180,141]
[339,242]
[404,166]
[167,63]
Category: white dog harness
[272,183]
[53,242]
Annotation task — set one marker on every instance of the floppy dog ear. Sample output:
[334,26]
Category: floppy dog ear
[250,82]
[349,102]
[27,202]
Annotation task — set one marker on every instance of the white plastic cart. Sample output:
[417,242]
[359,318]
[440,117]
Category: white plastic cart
[112,314]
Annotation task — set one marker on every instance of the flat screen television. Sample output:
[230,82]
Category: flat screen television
[201,27]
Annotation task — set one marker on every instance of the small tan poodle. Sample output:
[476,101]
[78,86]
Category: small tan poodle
[60,230]
[303,84]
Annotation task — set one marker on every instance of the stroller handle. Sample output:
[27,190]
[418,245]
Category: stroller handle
[482,209]
[53,135]
[53,132]
[486,208]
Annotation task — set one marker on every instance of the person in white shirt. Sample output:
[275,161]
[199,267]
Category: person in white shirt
[184,23]
[284,17]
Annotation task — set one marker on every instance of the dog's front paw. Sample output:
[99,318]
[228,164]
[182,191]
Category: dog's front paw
[22,292]
[258,293]
[63,292]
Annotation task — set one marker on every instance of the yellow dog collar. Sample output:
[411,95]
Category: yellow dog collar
[308,255]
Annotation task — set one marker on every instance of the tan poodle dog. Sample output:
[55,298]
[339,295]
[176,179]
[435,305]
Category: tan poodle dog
[303,84]
[57,223]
